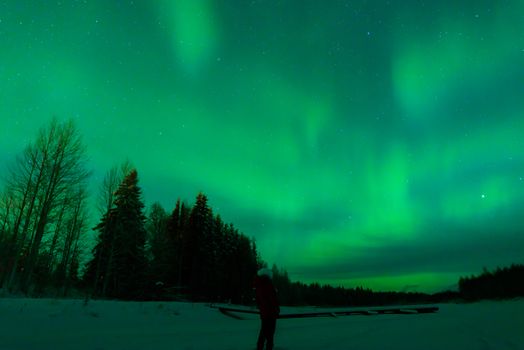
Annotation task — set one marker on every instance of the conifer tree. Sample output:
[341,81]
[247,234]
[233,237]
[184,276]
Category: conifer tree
[220,275]
[159,244]
[119,264]
[174,246]
[131,239]
[198,245]
[183,242]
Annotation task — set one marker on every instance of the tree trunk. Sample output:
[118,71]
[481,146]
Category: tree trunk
[72,232]
[47,205]
[58,228]
[17,246]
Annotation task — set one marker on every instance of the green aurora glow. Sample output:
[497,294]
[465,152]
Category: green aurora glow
[375,143]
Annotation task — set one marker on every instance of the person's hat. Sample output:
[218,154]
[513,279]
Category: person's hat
[265,272]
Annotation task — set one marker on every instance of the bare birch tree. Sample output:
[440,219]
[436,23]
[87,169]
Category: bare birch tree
[112,179]
[40,181]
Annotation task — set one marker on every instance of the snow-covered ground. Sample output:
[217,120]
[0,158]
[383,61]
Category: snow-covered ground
[68,324]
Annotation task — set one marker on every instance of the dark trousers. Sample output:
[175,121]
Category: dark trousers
[267,332]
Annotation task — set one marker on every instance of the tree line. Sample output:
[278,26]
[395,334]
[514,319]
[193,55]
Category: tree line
[502,283]
[188,253]
[298,293]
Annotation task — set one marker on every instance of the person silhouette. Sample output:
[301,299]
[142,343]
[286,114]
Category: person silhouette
[267,302]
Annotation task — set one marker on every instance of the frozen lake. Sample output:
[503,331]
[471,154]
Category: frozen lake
[107,325]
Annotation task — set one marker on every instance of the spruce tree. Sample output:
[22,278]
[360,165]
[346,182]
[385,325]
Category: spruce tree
[160,245]
[119,265]
[173,245]
[99,269]
[220,275]
[199,236]
[131,265]
[183,244]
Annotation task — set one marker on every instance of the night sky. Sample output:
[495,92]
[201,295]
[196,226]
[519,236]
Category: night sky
[374,143]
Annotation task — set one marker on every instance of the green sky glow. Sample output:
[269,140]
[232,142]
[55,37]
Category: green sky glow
[375,143]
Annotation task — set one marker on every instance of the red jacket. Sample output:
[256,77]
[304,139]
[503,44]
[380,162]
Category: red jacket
[266,297]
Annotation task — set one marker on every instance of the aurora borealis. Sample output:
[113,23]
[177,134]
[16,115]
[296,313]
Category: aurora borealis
[374,143]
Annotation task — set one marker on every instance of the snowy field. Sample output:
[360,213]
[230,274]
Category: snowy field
[103,325]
